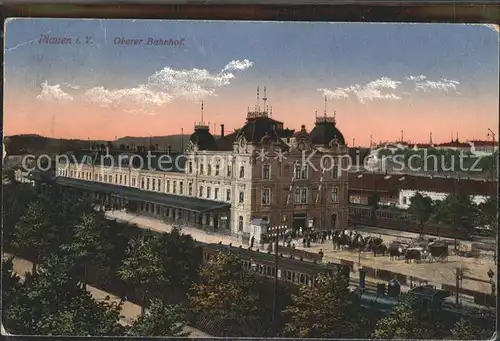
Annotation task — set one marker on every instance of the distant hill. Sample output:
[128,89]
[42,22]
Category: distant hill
[36,144]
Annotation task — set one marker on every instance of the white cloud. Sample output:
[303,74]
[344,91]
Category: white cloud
[164,86]
[416,78]
[379,89]
[53,93]
[426,85]
[170,84]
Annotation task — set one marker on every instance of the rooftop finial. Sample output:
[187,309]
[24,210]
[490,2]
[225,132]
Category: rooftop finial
[402,136]
[430,138]
[202,113]
[315,113]
[271,113]
[335,116]
[264,99]
[325,105]
[258,106]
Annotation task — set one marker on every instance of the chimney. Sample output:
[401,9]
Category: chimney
[221,131]
[169,149]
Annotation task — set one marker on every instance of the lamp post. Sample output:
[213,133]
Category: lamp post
[490,274]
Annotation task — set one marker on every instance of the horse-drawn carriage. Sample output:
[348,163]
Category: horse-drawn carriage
[417,250]
[420,250]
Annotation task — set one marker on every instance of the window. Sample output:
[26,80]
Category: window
[300,195]
[159,185]
[300,172]
[404,200]
[121,179]
[228,170]
[240,223]
[142,183]
[335,194]
[209,192]
[242,172]
[266,196]
[335,172]
[125,179]
[154,184]
[228,195]
[200,194]
[133,182]
[174,187]
[181,187]
[217,170]
[266,172]
[216,193]
[147,183]
[190,189]
[190,166]
[209,169]
[201,169]
[116,178]
[242,197]
[168,185]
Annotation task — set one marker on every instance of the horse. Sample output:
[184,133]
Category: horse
[413,254]
[395,251]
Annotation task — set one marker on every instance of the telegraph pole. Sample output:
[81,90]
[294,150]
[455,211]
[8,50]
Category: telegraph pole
[276,255]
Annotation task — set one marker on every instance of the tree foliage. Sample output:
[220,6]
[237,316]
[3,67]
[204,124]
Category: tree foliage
[10,281]
[35,232]
[176,252]
[142,267]
[458,211]
[421,209]
[160,320]
[51,302]
[227,294]
[405,322]
[89,243]
[326,310]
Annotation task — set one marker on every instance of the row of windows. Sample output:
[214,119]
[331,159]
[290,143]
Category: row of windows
[269,271]
[300,195]
[216,171]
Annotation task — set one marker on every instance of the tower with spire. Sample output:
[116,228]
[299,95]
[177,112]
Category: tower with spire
[201,124]
[325,118]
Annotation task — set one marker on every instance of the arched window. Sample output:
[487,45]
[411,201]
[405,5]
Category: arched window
[242,172]
[240,223]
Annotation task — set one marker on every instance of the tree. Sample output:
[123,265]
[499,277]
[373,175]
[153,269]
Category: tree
[407,321]
[89,242]
[160,320]
[459,212]
[19,196]
[51,302]
[488,216]
[226,294]
[142,267]
[326,310]
[421,209]
[34,233]
[10,281]
[464,329]
[176,251]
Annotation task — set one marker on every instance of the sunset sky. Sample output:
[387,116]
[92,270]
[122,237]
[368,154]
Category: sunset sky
[379,78]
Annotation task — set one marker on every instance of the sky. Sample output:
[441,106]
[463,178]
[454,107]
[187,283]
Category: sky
[102,79]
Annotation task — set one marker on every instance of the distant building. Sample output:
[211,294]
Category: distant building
[398,189]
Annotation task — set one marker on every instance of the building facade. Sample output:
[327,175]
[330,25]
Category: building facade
[260,171]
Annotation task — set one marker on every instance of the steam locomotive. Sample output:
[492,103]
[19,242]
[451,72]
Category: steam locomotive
[435,302]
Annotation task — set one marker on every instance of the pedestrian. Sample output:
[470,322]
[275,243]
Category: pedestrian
[320,253]
[252,241]
[304,241]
